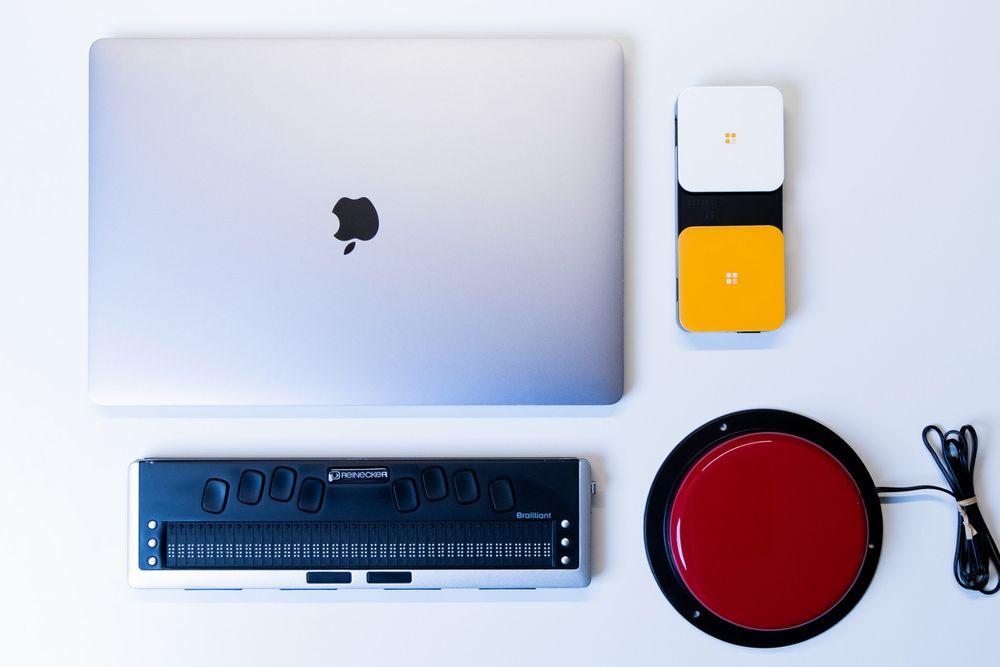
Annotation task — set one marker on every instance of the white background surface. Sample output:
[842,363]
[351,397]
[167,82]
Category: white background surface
[892,231]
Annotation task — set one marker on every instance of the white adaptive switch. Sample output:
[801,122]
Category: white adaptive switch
[730,139]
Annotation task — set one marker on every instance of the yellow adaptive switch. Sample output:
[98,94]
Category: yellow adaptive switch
[731,278]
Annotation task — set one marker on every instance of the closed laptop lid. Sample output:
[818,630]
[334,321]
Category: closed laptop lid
[356,222]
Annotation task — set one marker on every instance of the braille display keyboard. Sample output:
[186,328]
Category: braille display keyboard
[359,523]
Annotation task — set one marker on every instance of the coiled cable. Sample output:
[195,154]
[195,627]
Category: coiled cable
[977,560]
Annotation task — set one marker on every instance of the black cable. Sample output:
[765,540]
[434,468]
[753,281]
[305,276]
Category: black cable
[916,487]
[975,551]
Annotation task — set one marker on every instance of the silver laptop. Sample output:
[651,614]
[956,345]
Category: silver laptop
[356,222]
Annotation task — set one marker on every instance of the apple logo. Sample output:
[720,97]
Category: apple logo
[358,220]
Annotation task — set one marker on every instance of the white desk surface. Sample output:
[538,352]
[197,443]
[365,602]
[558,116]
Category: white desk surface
[892,227]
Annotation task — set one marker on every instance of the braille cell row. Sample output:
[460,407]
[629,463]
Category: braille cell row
[358,544]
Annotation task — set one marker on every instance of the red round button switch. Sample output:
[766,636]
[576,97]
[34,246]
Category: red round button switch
[768,531]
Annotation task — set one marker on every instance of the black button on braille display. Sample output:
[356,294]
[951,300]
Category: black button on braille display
[390,577]
[435,485]
[251,487]
[328,577]
[311,494]
[282,484]
[404,492]
[466,487]
[502,495]
[213,497]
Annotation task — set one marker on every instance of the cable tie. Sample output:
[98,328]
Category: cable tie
[970,532]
